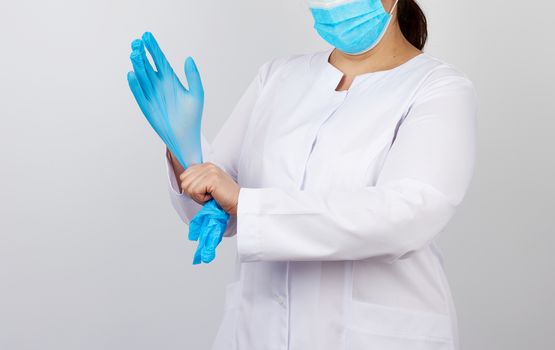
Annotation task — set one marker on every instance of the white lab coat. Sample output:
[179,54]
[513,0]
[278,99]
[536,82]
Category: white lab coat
[343,194]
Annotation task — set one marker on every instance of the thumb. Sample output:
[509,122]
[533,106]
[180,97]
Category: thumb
[193,78]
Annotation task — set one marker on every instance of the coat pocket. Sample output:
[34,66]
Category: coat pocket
[225,337]
[374,326]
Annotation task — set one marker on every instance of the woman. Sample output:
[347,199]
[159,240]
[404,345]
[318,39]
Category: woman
[339,170]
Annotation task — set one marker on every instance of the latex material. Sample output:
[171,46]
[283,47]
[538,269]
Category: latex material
[354,26]
[175,113]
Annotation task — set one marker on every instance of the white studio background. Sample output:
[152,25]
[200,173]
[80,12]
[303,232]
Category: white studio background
[92,256]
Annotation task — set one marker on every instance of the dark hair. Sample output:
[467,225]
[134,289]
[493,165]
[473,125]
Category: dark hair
[412,22]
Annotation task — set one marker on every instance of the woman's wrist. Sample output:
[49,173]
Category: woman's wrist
[176,166]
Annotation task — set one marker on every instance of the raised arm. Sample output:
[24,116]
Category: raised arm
[223,151]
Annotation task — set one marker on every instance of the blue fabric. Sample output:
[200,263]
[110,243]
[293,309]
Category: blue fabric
[175,113]
[354,27]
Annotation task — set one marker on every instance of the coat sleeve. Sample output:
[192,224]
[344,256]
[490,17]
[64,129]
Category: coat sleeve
[424,178]
[224,151]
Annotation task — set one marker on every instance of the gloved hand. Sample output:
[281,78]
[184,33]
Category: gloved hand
[175,113]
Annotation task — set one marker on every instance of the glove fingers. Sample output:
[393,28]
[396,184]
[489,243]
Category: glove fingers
[158,56]
[200,247]
[213,240]
[215,224]
[137,91]
[197,257]
[195,226]
[216,233]
[208,252]
[193,78]
[147,77]
[140,97]
[208,227]
[140,72]
[138,45]
[145,106]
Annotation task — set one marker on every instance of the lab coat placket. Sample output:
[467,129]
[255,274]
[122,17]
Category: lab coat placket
[255,310]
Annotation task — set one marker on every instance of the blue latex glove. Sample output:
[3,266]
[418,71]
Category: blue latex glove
[175,113]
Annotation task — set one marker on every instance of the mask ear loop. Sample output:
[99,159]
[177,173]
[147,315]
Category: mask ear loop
[383,33]
[393,8]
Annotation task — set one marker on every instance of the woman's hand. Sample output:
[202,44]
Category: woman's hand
[173,111]
[205,181]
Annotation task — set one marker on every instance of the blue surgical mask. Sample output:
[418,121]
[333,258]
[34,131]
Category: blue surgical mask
[352,26]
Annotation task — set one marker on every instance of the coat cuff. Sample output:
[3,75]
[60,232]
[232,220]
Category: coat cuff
[249,225]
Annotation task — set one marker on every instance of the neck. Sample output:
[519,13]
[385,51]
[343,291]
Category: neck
[390,52]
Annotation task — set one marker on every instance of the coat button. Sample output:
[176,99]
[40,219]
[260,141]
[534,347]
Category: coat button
[281,300]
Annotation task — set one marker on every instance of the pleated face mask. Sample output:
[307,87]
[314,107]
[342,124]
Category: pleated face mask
[352,26]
